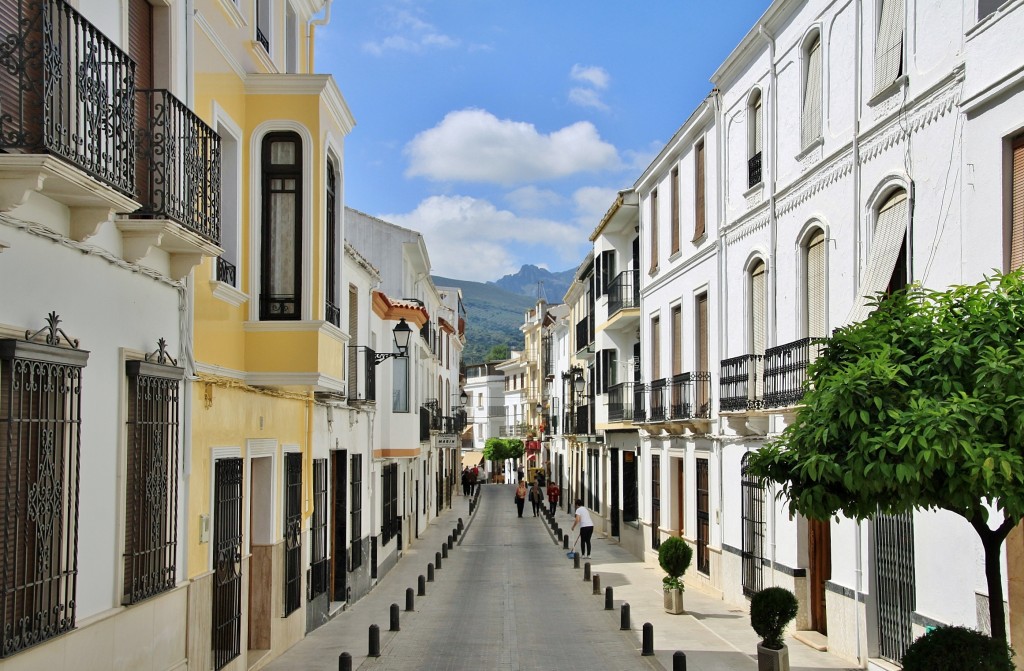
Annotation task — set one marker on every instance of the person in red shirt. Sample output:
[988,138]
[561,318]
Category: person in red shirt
[553,493]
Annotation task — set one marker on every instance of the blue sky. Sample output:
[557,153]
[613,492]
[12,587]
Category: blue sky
[502,129]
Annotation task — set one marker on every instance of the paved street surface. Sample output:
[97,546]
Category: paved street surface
[507,598]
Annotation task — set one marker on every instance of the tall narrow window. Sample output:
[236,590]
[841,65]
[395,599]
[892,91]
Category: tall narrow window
[151,479]
[756,140]
[654,230]
[40,445]
[263,23]
[655,501]
[889,44]
[356,498]
[753,529]
[353,342]
[677,340]
[400,384]
[389,503]
[292,532]
[319,564]
[332,313]
[281,238]
[655,348]
[814,291]
[702,374]
[629,486]
[291,40]
[811,129]
[675,210]
[1017,206]
[758,308]
[699,188]
[703,517]
[227,262]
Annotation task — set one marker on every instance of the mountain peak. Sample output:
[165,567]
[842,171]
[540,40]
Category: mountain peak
[527,282]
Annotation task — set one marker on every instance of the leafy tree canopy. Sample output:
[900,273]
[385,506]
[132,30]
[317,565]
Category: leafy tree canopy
[497,353]
[499,449]
[920,405]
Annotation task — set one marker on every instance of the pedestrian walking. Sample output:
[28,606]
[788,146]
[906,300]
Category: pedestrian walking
[465,480]
[553,494]
[521,492]
[537,499]
[586,525]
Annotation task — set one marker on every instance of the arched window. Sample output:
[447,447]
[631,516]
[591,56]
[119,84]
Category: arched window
[814,284]
[753,529]
[811,118]
[758,306]
[886,268]
[755,122]
[281,227]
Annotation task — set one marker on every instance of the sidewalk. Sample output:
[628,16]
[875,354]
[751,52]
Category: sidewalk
[714,634]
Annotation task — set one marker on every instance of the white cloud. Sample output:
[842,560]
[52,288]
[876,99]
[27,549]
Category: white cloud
[592,202]
[532,199]
[409,33]
[587,98]
[474,145]
[593,75]
[469,238]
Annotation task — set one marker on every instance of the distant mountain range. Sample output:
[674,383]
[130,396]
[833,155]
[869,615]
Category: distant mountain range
[495,310]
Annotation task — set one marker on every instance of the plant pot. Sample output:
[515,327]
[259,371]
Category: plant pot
[673,601]
[772,660]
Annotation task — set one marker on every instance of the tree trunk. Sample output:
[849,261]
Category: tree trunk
[992,541]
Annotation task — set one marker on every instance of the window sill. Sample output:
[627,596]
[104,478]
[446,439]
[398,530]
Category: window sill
[884,93]
[675,255]
[233,14]
[653,271]
[227,293]
[754,191]
[262,57]
[699,240]
[814,144]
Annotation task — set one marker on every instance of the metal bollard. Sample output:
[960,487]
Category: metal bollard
[344,662]
[609,598]
[421,586]
[648,645]
[586,572]
[565,542]
[450,541]
[395,626]
[558,532]
[437,560]
[597,584]
[410,600]
[444,552]
[679,661]
[430,573]
[624,617]
[374,647]
[576,561]
[461,525]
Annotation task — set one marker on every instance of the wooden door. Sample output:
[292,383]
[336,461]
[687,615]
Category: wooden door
[820,546]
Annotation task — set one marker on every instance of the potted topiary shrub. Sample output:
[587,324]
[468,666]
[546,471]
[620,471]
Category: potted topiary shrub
[771,610]
[955,648]
[674,555]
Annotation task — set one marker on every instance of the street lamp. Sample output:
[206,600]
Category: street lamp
[576,384]
[463,398]
[402,333]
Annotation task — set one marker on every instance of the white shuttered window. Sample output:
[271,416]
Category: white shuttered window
[815,291]
[758,309]
[812,94]
[889,44]
[1017,206]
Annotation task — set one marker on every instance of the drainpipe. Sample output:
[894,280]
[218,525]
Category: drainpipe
[715,99]
[857,86]
[773,229]
[310,26]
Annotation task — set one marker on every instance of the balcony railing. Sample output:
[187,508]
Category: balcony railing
[785,371]
[66,90]
[226,272]
[583,424]
[657,393]
[639,403]
[620,402]
[754,170]
[178,165]
[740,386]
[624,292]
[584,333]
[332,313]
[512,431]
[690,395]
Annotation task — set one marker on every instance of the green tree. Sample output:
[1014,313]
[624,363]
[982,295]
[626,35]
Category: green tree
[919,406]
[497,353]
[500,449]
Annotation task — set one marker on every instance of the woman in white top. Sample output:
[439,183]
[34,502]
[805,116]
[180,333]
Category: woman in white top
[586,524]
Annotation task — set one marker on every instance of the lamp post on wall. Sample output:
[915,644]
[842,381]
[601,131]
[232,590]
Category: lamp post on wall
[402,333]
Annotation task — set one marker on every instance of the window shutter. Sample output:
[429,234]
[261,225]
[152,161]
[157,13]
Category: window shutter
[812,95]
[703,356]
[890,230]
[675,210]
[889,44]
[654,230]
[1017,188]
[758,126]
[815,290]
[698,228]
[677,340]
[758,320]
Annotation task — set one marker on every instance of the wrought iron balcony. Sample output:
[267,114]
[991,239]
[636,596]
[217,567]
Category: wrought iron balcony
[657,392]
[66,90]
[583,422]
[624,292]
[639,403]
[690,395]
[754,170]
[584,333]
[332,313]
[620,402]
[226,271]
[740,384]
[785,371]
[178,165]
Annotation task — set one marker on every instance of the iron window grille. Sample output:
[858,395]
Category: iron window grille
[40,440]
[754,170]
[319,562]
[356,514]
[655,501]
[389,503]
[629,487]
[896,583]
[226,271]
[331,310]
[292,532]
[151,476]
[753,530]
[67,90]
[227,574]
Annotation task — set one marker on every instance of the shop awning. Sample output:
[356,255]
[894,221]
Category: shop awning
[472,458]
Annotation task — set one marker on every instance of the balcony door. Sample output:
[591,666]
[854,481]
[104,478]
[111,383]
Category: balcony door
[281,229]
